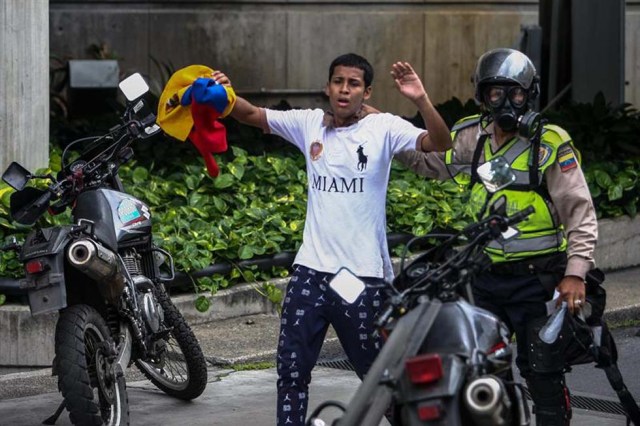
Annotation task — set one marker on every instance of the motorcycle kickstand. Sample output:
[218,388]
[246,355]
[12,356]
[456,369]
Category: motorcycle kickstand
[52,420]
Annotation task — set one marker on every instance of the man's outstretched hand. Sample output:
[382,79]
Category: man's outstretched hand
[407,81]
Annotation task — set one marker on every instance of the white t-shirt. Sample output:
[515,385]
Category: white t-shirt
[348,173]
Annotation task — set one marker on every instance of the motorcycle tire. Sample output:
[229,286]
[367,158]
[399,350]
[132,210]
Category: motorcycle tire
[90,395]
[181,371]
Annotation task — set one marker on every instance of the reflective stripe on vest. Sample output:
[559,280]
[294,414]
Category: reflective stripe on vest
[512,154]
[536,244]
[455,169]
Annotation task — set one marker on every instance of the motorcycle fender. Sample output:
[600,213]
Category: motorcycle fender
[450,384]
[47,290]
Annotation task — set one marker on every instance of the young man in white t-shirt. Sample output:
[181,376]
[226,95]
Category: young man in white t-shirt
[348,153]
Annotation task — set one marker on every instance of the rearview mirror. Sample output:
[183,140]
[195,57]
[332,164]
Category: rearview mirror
[16,176]
[133,87]
[496,174]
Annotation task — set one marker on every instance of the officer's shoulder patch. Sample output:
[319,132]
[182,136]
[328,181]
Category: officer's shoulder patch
[567,158]
[544,153]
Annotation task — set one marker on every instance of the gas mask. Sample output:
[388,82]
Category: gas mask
[508,105]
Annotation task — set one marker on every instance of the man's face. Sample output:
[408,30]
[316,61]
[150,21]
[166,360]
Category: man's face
[347,92]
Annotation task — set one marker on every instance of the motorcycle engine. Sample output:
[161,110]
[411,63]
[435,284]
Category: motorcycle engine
[151,310]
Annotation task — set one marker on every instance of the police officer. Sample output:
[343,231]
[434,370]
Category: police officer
[555,245]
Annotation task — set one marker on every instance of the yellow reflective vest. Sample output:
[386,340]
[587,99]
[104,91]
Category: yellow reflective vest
[539,234]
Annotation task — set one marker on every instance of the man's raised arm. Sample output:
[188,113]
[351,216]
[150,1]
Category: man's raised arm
[438,137]
[243,111]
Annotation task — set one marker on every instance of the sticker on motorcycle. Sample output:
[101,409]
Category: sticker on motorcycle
[129,212]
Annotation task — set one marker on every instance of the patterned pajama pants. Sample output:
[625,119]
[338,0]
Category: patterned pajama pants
[309,307]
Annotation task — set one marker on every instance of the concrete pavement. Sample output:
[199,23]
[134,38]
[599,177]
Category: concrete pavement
[248,397]
[231,399]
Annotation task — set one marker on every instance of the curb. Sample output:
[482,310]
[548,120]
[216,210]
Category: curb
[31,337]
[622,314]
[240,300]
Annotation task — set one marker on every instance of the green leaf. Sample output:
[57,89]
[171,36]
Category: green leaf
[202,304]
[627,180]
[140,175]
[236,170]
[249,276]
[245,252]
[197,200]
[238,152]
[219,245]
[615,192]
[595,191]
[603,179]
[219,204]
[223,181]
[192,182]
[180,191]
[631,208]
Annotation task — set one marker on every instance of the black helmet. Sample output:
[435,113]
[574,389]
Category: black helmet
[506,66]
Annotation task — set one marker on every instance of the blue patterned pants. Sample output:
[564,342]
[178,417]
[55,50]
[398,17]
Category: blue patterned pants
[309,307]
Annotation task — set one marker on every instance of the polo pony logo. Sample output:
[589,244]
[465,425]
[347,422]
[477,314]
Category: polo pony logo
[362,159]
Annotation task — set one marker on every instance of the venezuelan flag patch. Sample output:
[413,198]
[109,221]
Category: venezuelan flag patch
[567,158]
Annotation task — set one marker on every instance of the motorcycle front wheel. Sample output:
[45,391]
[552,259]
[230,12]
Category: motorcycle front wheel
[178,368]
[92,393]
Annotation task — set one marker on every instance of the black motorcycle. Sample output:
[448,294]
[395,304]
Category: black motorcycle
[104,276]
[444,360]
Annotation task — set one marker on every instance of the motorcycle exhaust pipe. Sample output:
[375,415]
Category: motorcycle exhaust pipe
[487,401]
[99,264]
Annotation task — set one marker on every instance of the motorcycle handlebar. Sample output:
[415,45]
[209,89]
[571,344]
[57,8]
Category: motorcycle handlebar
[98,162]
[497,222]
[480,233]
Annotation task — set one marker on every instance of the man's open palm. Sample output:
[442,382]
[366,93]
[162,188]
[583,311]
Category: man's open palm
[407,81]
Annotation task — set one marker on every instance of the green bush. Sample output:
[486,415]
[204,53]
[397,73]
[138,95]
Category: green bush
[602,132]
[607,138]
[255,207]
[615,187]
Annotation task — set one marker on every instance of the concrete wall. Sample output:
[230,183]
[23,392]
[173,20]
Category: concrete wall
[280,47]
[632,53]
[287,46]
[26,340]
[24,83]
[618,243]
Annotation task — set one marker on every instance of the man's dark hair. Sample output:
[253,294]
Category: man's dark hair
[354,61]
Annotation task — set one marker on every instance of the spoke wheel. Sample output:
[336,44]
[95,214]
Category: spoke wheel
[177,365]
[93,394]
